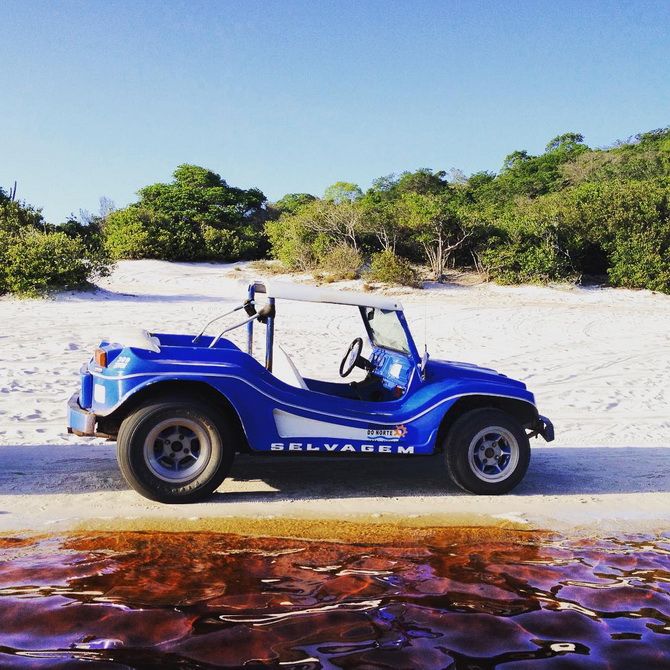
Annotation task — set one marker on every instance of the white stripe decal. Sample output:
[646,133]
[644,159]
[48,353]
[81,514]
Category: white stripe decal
[302,408]
[292,425]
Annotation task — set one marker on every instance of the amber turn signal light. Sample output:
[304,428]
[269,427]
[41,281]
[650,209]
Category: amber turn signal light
[100,357]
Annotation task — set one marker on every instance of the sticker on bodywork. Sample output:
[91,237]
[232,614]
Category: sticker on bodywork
[340,447]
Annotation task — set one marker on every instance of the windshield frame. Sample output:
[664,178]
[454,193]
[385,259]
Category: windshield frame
[411,351]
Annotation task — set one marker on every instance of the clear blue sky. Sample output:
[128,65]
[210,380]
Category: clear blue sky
[101,98]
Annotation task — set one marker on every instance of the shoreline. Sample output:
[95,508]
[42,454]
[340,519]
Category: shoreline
[384,530]
[82,488]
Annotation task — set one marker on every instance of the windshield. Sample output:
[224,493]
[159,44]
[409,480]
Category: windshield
[386,329]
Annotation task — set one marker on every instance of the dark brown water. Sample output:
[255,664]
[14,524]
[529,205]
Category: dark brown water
[151,600]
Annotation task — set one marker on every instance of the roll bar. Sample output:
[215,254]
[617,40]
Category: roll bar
[263,315]
[266,317]
[247,306]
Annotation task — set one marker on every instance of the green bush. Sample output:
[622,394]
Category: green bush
[293,243]
[341,262]
[176,240]
[36,257]
[15,216]
[127,234]
[526,257]
[641,259]
[630,221]
[306,239]
[535,242]
[90,233]
[35,262]
[135,232]
[225,245]
[198,216]
[388,267]
[619,227]
[5,243]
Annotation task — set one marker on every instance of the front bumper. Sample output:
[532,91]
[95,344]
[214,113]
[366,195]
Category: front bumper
[543,427]
[79,421]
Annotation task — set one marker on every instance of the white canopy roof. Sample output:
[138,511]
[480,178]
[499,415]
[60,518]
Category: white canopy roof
[288,291]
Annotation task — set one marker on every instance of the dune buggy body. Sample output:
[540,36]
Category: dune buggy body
[406,405]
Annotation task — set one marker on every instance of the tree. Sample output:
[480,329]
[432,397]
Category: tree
[514,159]
[292,202]
[380,206]
[197,216]
[567,212]
[342,191]
[36,257]
[532,176]
[201,197]
[423,181]
[661,135]
[566,142]
[339,223]
[435,225]
[303,240]
[380,219]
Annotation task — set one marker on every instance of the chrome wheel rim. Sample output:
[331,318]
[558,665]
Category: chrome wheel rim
[177,450]
[493,454]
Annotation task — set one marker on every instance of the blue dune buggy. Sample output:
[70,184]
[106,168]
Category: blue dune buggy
[181,406]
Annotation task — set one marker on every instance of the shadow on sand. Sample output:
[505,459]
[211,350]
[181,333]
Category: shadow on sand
[553,471]
[50,469]
[117,296]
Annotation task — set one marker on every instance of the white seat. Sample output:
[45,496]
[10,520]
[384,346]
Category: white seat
[285,370]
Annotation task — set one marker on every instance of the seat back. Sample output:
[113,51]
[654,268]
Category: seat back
[285,370]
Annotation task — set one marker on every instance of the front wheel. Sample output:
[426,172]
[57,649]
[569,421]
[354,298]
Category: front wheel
[175,451]
[487,452]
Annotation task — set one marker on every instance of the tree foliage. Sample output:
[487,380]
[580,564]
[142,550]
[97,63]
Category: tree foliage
[342,192]
[197,216]
[302,240]
[435,224]
[36,257]
[292,202]
[386,266]
[568,212]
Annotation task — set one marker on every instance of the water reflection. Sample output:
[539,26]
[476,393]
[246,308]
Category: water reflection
[145,600]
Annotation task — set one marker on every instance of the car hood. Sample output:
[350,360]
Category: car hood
[439,370]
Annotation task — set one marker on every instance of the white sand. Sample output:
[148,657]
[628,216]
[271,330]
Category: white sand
[598,361]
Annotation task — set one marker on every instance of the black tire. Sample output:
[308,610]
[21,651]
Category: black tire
[473,455]
[204,458]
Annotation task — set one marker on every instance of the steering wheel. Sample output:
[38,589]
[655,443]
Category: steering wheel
[353,358]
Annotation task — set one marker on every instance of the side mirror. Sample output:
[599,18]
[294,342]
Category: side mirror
[424,361]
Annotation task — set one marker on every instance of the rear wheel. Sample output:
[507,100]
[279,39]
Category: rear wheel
[487,452]
[175,451]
